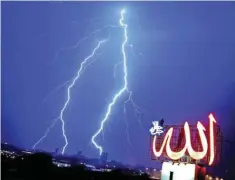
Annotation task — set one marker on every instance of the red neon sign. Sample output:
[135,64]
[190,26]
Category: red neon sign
[207,144]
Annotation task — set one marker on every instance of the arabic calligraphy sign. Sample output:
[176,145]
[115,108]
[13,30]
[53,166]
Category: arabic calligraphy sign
[199,144]
[156,129]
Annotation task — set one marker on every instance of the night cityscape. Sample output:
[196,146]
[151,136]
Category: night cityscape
[126,90]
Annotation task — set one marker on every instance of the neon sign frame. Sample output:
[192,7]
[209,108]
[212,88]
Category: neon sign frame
[207,143]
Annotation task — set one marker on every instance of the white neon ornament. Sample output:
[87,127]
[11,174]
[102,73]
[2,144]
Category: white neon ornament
[156,129]
[188,146]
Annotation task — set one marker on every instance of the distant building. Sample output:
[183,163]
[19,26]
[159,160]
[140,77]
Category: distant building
[56,152]
[79,153]
[104,157]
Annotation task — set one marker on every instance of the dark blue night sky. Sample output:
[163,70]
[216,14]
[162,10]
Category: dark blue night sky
[181,67]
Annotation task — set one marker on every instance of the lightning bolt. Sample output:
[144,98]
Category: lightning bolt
[121,91]
[83,39]
[55,90]
[85,63]
[69,89]
[66,82]
[46,133]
